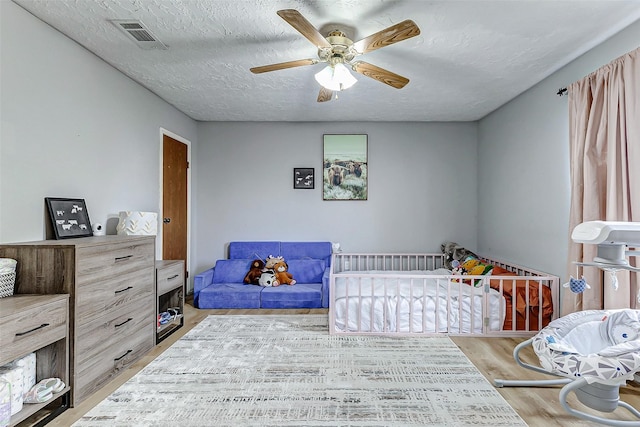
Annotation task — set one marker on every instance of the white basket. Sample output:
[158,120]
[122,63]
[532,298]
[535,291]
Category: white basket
[7,276]
[7,282]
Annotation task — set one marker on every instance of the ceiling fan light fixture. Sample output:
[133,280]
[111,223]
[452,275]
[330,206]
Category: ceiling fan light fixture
[336,77]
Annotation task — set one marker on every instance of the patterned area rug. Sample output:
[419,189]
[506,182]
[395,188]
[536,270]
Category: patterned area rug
[288,371]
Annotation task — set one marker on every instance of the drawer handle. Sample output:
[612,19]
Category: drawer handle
[44,325]
[125,289]
[121,357]
[173,277]
[126,321]
[123,258]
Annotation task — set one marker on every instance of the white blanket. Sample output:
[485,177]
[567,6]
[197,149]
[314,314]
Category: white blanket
[413,301]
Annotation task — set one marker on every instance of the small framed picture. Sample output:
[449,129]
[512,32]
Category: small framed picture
[69,217]
[303,178]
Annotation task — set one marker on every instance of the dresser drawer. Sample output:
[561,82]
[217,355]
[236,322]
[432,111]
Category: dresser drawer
[95,337]
[170,277]
[34,326]
[94,373]
[96,299]
[104,262]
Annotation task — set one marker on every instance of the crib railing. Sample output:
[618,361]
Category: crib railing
[357,269]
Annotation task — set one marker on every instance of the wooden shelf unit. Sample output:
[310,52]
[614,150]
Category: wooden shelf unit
[169,294]
[37,324]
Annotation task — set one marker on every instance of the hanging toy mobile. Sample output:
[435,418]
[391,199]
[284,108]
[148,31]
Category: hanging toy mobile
[577,286]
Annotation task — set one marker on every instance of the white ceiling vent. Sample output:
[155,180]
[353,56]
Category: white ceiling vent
[139,33]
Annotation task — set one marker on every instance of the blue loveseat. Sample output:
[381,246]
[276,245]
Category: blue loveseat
[309,262]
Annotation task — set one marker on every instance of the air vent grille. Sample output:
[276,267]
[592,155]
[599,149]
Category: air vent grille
[139,33]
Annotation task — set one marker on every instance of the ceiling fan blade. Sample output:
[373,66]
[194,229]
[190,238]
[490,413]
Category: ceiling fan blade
[283,65]
[325,94]
[394,34]
[380,74]
[304,27]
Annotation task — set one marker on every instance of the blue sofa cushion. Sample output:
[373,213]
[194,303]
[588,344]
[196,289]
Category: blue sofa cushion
[303,295]
[253,250]
[231,270]
[230,295]
[306,250]
[307,270]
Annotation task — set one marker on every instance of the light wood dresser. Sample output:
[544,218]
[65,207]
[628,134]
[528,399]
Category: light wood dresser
[38,324]
[111,283]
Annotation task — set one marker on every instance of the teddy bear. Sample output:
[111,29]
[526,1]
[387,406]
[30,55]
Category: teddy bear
[253,275]
[283,276]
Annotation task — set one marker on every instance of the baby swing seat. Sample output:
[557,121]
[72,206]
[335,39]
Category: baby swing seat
[596,351]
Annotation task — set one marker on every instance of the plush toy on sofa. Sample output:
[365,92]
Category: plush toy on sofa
[268,279]
[271,261]
[283,276]
[254,273]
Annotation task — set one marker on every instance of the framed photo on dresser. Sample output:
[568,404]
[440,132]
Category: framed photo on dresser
[69,217]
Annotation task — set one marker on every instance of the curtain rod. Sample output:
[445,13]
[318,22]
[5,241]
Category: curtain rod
[562,91]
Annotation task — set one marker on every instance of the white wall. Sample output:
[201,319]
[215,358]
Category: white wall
[73,126]
[524,166]
[422,187]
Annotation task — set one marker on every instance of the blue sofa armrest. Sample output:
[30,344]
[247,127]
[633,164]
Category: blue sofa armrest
[325,287]
[200,282]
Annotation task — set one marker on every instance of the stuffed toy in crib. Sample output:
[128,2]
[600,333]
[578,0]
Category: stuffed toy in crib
[453,251]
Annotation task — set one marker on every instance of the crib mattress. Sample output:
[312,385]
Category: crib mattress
[413,302]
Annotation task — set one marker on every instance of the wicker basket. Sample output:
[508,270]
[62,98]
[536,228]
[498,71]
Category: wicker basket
[7,282]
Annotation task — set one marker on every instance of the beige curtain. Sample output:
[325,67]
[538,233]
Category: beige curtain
[604,133]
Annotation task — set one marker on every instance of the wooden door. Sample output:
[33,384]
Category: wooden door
[174,200]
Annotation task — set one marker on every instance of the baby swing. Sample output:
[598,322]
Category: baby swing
[596,351]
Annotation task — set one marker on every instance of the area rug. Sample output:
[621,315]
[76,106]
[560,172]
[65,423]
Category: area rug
[288,371]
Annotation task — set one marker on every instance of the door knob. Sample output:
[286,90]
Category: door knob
[166,220]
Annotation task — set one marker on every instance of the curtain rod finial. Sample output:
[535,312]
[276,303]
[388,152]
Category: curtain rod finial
[562,91]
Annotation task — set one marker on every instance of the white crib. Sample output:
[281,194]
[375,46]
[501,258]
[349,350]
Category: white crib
[412,294]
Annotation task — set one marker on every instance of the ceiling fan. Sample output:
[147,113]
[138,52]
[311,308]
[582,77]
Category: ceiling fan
[339,53]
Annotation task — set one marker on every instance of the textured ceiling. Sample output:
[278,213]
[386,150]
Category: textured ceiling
[470,58]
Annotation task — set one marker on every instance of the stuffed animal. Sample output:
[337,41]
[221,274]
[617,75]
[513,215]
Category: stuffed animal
[474,267]
[255,271]
[271,261]
[453,251]
[283,276]
[268,279]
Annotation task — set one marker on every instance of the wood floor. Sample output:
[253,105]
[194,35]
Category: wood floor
[492,356]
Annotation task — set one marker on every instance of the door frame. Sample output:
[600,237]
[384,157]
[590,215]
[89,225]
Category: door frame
[160,241]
